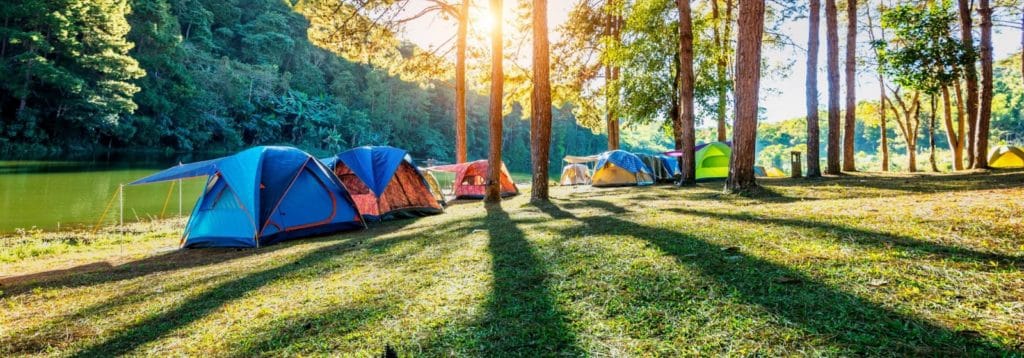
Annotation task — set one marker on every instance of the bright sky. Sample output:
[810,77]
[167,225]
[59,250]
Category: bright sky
[787,97]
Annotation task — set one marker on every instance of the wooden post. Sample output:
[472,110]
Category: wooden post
[794,164]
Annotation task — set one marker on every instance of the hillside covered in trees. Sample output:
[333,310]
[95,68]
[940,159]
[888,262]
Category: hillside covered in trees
[212,75]
[205,75]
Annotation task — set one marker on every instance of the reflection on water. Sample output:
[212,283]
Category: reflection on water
[72,192]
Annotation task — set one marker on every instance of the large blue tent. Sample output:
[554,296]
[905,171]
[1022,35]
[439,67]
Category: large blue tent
[261,196]
[384,182]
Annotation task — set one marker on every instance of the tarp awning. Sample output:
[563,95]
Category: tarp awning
[450,168]
[572,159]
[182,171]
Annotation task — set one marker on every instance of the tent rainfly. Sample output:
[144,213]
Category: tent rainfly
[384,183]
[621,168]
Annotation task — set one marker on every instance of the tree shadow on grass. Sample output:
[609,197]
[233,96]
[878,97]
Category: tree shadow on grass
[297,335]
[102,272]
[851,322]
[522,316]
[871,238]
[193,309]
[912,183]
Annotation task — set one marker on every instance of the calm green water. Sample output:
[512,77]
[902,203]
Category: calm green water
[72,193]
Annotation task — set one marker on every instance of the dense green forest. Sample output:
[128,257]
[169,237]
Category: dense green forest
[213,75]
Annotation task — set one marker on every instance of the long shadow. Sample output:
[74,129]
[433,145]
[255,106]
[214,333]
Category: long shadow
[869,237]
[195,308]
[286,337]
[98,273]
[522,316]
[858,325]
[919,183]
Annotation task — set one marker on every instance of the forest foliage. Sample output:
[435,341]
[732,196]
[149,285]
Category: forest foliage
[212,75]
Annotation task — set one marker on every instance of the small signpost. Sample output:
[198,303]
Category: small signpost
[794,164]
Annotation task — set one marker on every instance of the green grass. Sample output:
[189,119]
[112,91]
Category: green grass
[857,265]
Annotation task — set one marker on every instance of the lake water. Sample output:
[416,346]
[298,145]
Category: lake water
[51,194]
[73,193]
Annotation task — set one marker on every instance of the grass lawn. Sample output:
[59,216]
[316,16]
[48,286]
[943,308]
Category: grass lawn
[858,265]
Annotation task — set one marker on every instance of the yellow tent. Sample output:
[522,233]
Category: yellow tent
[774,172]
[1003,157]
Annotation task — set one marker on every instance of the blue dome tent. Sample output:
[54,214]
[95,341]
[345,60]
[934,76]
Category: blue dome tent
[262,196]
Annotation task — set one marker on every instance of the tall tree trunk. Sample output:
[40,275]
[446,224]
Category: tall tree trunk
[748,78]
[721,40]
[687,169]
[813,132]
[851,97]
[677,124]
[931,134]
[960,119]
[952,135]
[493,192]
[611,87]
[970,77]
[985,104]
[460,84]
[882,98]
[540,129]
[832,48]
[912,141]
[881,122]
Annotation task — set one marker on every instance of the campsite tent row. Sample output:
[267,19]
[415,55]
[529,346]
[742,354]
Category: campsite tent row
[265,195]
[617,168]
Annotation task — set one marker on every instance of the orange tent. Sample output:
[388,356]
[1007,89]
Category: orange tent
[384,183]
[471,179]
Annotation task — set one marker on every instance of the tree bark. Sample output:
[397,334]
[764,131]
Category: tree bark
[970,77]
[493,192]
[931,134]
[721,63]
[884,129]
[748,78]
[813,132]
[912,142]
[832,48]
[687,168]
[882,98]
[611,87]
[540,129]
[851,97]
[960,119]
[952,134]
[460,84]
[985,103]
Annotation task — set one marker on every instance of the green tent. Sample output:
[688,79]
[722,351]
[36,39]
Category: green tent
[712,161]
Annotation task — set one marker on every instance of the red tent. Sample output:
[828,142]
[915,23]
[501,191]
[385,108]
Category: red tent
[471,179]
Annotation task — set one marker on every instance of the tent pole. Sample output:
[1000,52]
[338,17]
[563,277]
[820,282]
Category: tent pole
[120,197]
[179,197]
